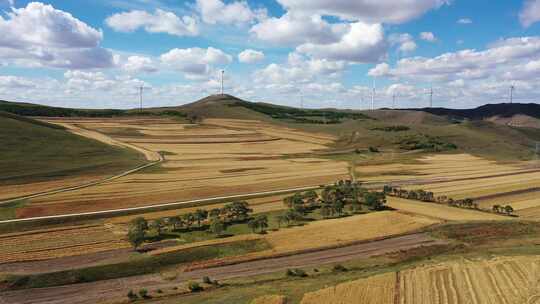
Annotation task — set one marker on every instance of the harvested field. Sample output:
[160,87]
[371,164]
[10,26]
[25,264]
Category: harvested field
[378,289]
[442,212]
[274,299]
[346,230]
[500,280]
[208,160]
[62,242]
[495,281]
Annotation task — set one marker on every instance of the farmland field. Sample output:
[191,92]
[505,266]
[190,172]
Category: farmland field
[440,211]
[374,290]
[218,158]
[497,280]
[60,242]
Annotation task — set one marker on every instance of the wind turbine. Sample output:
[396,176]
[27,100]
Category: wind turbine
[512,89]
[373,95]
[141,89]
[222,77]
[431,96]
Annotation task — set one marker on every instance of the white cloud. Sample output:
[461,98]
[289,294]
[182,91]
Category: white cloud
[464,21]
[40,35]
[530,13]
[292,29]
[298,70]
[500,59]
[385,11]
[250,56]
[428,36]
[404,41]
[216,11]
[195,62]
[362,43]
[138,64]
[159,22]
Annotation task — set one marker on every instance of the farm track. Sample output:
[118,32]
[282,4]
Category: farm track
[86,293]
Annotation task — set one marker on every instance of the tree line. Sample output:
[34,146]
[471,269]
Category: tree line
[429,197]
[215,221]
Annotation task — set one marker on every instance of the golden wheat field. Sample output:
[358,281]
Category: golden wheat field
[345,230]
[378,289]
[221,157]
[440,211]
[272,299]
[62,242]
[502,280]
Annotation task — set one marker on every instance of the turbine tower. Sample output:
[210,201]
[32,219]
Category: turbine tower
[394,100]
[512,88]
[431,97]
[373,95]
[141,89]
[222,76]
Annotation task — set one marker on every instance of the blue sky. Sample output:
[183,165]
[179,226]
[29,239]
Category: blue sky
[93,54]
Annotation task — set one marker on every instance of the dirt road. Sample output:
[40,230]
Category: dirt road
[110,290]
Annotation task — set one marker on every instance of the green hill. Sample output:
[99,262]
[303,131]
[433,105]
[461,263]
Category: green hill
[32,150]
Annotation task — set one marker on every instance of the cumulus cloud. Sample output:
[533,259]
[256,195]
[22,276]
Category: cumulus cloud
[216,11]
[138,64]
[362,43]
[530,13]
[250,56]
[60,41]
[293,29]
[464,21]
[428,36]
[385,11]
[195,62]
[508,55]
[158,22]
[405,42]
[298,70]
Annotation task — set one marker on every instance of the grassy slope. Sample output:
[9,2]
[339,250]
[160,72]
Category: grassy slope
[33,151]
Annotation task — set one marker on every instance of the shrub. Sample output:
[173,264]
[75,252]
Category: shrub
[207,280]
[373,150]
[132,296]
[194,287]
[296,273]
[143,293]
[159,291]
[339,268]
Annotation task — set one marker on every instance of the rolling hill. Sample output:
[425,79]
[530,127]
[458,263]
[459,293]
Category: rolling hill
[32,150]
[502,131]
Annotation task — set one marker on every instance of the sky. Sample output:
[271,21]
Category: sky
[326,53]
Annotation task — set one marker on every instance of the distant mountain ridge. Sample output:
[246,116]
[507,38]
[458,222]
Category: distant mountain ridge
[488,111]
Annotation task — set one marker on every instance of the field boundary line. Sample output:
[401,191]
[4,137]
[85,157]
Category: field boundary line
[159,207]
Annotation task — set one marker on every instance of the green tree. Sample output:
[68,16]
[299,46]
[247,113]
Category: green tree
[136,237]
[281,219]
[200,215]
[158,225]
[496,208]
[508,209]
[140,223]
[217,227]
